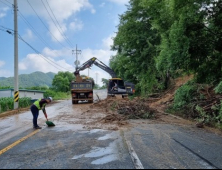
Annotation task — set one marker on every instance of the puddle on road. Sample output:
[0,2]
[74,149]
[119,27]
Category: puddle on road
[107,136]
[96,131]
[102,155]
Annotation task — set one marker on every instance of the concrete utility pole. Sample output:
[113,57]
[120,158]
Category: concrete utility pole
[16,84]
[77,53]
[97,78]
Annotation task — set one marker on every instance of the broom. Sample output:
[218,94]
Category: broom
[49,123]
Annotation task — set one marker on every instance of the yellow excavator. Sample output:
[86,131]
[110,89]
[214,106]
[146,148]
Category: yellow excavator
[116,86]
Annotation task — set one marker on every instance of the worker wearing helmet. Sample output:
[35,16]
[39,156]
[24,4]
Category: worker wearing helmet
[39,105]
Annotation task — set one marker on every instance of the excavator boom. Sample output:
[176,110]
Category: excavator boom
[122,88]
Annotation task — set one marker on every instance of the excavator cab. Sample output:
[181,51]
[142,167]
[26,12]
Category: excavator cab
[115,90]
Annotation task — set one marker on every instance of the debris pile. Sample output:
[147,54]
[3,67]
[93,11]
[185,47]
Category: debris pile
[208,105]
[136,110]
[124,109]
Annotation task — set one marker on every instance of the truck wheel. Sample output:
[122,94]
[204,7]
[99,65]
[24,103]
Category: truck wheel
[90,101]
[74,102]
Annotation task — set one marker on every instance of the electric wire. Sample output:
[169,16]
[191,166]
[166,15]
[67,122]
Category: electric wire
[45,58]
[38,35]
[45,25]
[55,23]
[8,2]
[59,24]
[36,32]
[5,4]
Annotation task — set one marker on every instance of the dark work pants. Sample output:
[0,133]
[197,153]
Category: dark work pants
[35,113]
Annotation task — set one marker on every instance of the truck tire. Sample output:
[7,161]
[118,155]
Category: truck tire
[90,101]
[75,102]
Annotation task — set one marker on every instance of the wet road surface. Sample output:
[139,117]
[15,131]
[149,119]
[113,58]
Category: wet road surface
[72,145]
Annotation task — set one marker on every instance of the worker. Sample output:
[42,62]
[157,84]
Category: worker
[114,87]
[39,105]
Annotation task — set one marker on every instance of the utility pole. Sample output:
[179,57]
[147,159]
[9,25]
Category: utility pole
[16,83]
[77,52]
[97,78]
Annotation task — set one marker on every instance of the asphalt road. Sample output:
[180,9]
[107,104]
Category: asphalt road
[69,145]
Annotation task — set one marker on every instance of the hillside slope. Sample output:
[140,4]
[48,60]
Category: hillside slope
[30,80]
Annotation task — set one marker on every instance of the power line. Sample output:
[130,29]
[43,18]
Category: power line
[38,35]
[36,32]
[61,32]
[45,25]
[5,4]
[45,58]
[6,28]
[58,23]
[9,2]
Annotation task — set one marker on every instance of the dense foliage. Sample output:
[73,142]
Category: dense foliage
[161,38]
[62,80]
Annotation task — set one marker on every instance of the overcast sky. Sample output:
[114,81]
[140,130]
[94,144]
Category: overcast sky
[53,28]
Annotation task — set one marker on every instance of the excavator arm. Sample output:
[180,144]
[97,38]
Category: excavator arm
[101,65]
[129,86]
[84,66]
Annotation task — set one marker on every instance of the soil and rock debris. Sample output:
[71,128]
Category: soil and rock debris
[115,113]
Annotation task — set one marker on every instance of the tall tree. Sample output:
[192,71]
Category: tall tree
[136,45]
[62,80]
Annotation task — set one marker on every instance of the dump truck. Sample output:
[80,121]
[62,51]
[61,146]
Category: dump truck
[82,90]
[123,88]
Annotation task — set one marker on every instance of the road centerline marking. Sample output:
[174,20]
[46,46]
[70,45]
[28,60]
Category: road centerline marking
[18,142]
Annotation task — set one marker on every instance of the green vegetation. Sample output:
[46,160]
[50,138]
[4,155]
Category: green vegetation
[156,39]
[62,80]
[56,95]
[7,103]
[60,86]
[30,80]
[185,95]
[159,40]
[218,88]
[105,83]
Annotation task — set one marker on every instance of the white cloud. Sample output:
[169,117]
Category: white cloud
[103,55]
[102,4]
[108,42]
[28,35]
[56,53]
[3,11]
[2,15]
[76,26]
[120,2]
[2,63]
[34,62]
[62,9]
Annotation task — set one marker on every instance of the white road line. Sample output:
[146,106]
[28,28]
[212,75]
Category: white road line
[136,161]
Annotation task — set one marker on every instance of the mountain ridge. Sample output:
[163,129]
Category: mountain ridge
[34,79]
